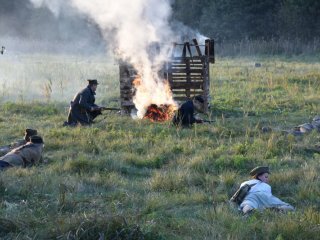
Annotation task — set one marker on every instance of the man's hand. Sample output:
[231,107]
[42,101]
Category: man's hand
[96,108]
[199,121]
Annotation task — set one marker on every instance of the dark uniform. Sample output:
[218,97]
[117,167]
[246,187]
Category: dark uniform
[80,108]
[185,115]
[24,156]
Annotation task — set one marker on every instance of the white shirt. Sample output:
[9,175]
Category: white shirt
[260,196]
[259,187]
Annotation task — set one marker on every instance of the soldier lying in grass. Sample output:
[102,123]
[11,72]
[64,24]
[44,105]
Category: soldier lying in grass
[28,133]
[308,127]
[300,129]
[24,156]
[260,196]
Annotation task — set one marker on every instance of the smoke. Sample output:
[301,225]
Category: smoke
[130,28]
[54,6]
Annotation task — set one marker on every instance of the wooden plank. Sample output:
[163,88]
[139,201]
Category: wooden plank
[197,46]
[183,59]
[196,65]
[182,80]
[186,92]
[183,85]
[188,71]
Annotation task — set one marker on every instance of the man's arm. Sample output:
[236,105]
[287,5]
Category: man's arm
[84,101]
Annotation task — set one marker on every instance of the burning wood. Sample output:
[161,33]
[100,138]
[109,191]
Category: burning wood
[161,113]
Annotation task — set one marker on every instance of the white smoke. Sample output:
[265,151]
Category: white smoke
[130,27]
[54,6]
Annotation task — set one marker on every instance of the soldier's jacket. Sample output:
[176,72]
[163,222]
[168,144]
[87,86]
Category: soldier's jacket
[80,107]
[24,156]
[5,149]
[185,114]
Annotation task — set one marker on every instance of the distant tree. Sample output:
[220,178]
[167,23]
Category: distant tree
[258,19]
[189,11]
[299,19]
[237,19]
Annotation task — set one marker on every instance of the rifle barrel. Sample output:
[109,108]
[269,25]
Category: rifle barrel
[208,121]
[111,108]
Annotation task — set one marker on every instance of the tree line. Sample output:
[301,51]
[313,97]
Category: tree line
[234,20]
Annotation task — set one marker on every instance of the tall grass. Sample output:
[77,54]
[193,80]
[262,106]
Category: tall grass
[133,179]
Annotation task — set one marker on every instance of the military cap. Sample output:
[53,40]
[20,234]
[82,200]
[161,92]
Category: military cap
[36,139]
[93,81]
[31,132]
[28,133]
[259,170]
[199,98]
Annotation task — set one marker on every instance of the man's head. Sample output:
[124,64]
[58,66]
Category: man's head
[93,83]
[261,173]
[198,103]
[28,133]
[36,139]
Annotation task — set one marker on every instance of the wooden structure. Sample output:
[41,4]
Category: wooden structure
[127,75]
[187,74]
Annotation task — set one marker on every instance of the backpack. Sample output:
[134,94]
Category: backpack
[241,193]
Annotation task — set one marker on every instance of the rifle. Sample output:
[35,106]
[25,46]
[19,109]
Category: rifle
[110,108]
[208,121]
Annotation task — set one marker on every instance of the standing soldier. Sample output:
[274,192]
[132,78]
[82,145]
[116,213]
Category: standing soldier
[28,133]
[83,110]
[24,156]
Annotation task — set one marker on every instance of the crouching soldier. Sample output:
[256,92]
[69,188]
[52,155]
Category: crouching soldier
[28,133]
[83,110]
[185,114]
[24,156]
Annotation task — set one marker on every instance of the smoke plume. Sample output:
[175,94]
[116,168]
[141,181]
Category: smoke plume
[130,28]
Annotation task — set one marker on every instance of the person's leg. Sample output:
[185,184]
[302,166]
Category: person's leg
[4,165]
[287,207]
[246,209]
[94,114]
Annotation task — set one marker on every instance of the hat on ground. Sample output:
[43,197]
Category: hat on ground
[93,81]
[36,139]
[259,170]
[28,133]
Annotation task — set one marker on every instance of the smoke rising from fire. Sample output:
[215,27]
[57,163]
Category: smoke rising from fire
[131,27]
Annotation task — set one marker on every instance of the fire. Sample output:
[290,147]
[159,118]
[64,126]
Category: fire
[161,113]
[153,99]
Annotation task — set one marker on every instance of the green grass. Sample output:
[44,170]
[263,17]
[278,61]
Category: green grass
[128,179]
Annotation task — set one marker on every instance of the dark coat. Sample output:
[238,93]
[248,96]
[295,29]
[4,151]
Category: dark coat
[185,115]
[80,108]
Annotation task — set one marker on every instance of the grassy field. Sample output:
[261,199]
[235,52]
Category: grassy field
[133,179]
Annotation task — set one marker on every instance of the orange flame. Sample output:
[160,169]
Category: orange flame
[161,113]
